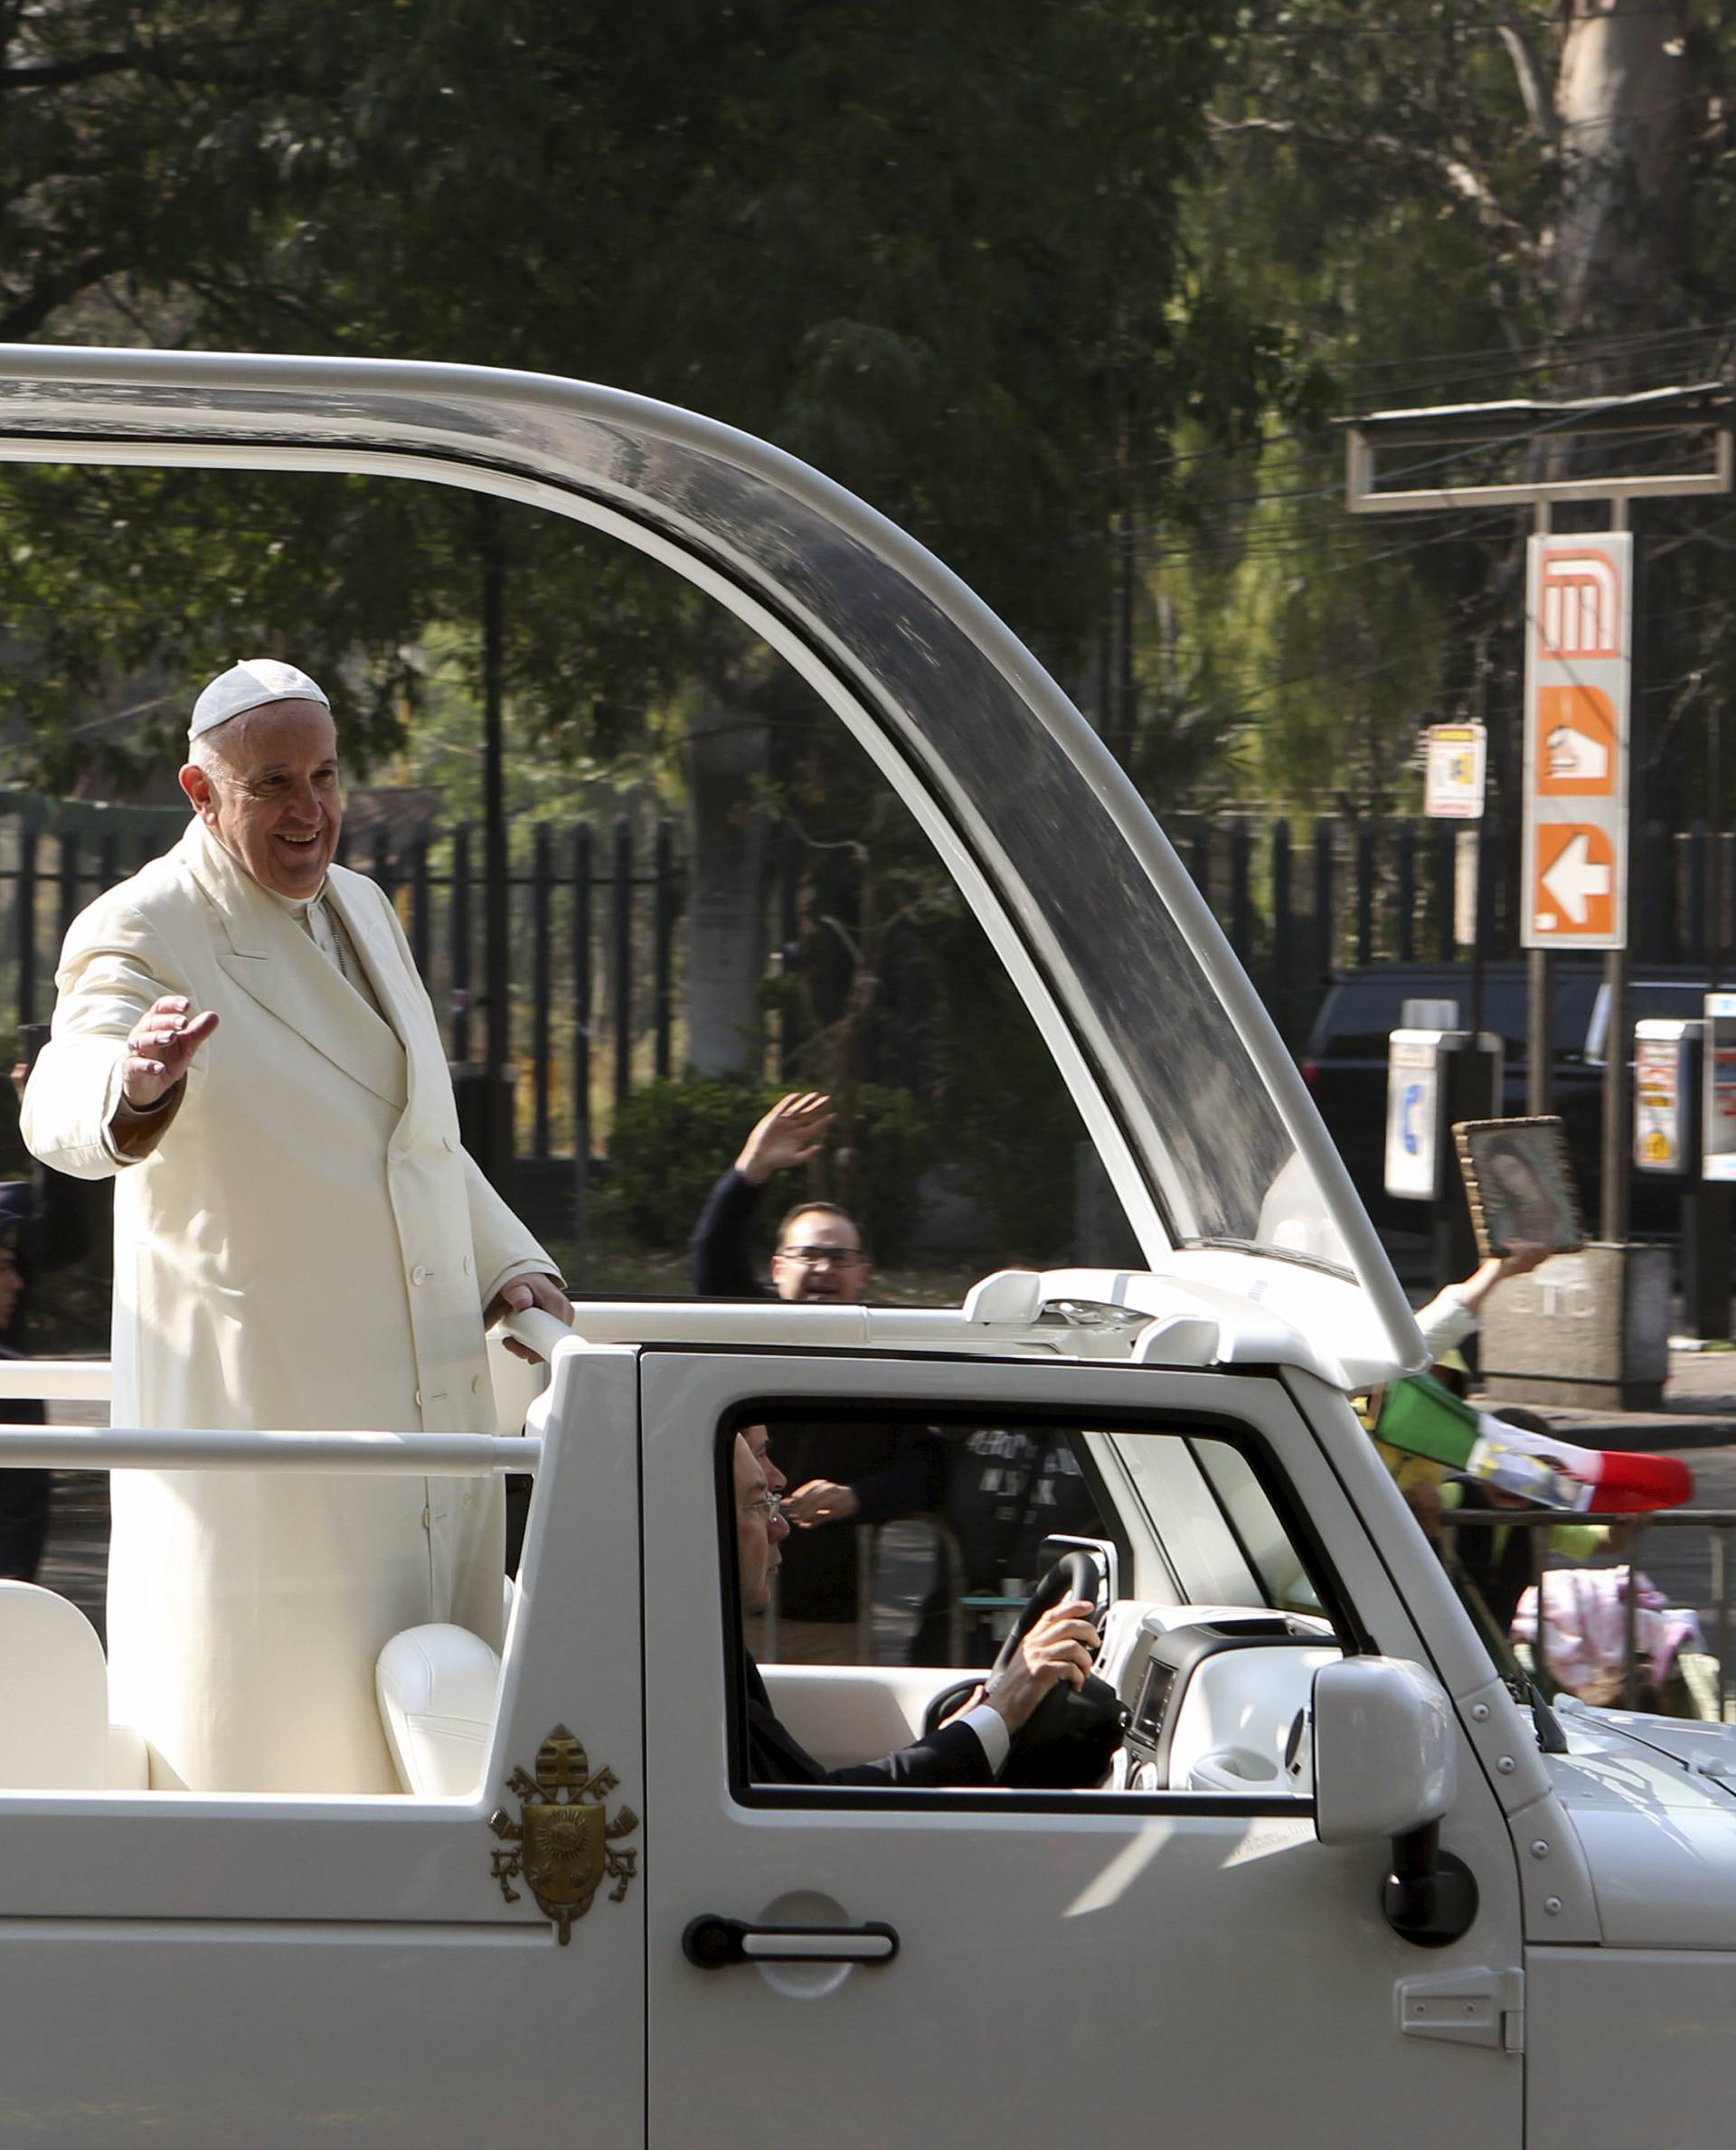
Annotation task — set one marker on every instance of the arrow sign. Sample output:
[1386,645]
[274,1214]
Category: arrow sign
[1573,880]
[1578,694]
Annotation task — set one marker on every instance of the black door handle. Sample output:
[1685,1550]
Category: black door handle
[712,1942]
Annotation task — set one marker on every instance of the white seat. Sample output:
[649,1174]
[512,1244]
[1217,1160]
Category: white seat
[55,1732]
[437,1686]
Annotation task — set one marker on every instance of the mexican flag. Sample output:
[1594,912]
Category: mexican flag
[1422,1419]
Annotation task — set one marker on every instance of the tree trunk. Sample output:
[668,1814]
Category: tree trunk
[727,762]
[1626,116]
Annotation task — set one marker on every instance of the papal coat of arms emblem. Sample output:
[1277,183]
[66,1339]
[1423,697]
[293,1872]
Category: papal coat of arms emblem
[563,1843]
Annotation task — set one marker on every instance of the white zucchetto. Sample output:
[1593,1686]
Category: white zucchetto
[245,685]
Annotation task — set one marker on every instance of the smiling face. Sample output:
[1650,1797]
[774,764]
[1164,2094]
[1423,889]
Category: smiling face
[266,786]
[821,1257]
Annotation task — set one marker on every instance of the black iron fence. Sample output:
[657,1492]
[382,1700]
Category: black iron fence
[597,960]
[593,918]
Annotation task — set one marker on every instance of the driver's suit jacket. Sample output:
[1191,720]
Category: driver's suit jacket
[304,1245]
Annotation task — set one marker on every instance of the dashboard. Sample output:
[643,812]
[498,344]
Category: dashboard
[1217,1696]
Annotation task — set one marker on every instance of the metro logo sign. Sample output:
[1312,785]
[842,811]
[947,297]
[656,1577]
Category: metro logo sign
[1578,671]
[1581,609]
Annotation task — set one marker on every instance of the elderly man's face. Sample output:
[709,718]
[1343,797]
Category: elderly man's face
[274,803]
[760,1529]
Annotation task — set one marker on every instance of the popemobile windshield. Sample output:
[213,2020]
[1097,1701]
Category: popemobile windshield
[1334,1882]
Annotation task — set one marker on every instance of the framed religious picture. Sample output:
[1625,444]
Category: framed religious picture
[1519,1181]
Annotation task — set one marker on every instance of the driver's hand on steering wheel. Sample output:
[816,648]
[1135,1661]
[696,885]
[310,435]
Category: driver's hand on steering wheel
[1061,1645]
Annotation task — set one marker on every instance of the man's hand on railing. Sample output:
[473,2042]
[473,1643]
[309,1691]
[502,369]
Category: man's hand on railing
[526,1295]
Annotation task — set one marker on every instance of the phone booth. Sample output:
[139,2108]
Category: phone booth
[1706,1192]
[1435,1077]
[1718,1121]
[1668,1066]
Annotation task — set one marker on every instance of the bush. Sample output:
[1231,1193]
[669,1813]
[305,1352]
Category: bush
[671,1140]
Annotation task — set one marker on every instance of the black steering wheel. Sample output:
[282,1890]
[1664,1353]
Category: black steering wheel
[1075,1575]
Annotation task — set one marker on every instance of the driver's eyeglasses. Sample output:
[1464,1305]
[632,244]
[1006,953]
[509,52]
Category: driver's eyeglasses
[814,1258]
[763,1506]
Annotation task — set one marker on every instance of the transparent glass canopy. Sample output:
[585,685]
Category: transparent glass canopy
[1203,1125]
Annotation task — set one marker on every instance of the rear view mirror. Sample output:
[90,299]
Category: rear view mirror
[1384,1754]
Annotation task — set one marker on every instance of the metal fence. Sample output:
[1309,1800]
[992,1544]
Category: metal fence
[596,912]
[594,954]
[1707,1594]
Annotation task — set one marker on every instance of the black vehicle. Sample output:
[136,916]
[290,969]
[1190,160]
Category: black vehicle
[1344,1063]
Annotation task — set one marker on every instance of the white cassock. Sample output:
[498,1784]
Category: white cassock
[301,1243]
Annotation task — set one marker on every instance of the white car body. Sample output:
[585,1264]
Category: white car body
[1205,1956]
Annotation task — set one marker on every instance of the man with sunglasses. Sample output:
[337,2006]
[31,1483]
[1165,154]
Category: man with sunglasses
[843,1476]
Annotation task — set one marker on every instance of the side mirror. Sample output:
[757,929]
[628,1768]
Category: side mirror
[1384,1760]
[1384,1765]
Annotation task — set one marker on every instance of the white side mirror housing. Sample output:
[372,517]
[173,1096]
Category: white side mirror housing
[1384,1754]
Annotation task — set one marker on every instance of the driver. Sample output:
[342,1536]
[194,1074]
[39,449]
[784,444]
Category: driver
[972,1746]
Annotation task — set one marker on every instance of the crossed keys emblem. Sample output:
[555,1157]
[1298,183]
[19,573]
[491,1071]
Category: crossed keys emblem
[562,1843]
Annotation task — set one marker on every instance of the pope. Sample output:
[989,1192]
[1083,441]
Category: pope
[301,1241]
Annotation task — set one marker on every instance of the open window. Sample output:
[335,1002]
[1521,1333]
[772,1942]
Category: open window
[912,1552]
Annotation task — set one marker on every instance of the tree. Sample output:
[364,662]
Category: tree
[937,255]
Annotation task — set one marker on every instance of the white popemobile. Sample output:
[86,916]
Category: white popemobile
[1335,1891]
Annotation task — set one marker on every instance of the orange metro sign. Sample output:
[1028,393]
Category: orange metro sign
[1577,678]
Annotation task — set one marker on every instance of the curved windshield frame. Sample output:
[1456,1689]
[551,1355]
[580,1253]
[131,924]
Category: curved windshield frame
[1190,1097]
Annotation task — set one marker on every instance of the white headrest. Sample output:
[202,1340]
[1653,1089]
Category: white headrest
[437,1687]
[54,1694]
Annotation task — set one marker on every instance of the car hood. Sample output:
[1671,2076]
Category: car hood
[1652,1801]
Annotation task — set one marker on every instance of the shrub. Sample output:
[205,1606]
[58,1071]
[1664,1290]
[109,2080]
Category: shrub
[671,1139]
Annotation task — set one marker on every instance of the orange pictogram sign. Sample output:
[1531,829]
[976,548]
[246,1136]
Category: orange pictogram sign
[1577,744]
[1574,889]
[1580,604]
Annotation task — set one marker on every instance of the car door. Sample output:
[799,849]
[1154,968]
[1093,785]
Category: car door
[1118,1966]
[200,1971]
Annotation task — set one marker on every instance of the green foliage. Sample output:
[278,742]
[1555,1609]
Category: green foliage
[937,253]
[671,1141]
[1011,1126]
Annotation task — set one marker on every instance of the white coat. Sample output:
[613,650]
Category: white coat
[307,1246]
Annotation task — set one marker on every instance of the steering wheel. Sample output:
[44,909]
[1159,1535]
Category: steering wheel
[1075,1575]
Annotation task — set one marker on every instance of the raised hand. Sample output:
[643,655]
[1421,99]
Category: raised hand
[821,1500]
[792,1132]
[159,1047]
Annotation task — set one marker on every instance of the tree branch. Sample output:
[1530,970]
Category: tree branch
[1515,32]
[25,316]
[1456,171]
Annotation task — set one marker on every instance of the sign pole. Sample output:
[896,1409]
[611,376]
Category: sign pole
[1540,1043]
[1618,1101]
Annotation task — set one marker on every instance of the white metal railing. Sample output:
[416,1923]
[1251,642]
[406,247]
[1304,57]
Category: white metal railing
[55,1381]
[129,1447]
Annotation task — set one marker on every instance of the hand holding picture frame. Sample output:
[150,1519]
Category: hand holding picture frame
[1519,1181]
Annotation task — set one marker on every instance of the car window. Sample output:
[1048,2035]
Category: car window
[912,1553]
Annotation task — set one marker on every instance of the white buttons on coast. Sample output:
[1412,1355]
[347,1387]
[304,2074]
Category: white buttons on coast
[475,1385]
[468,1265]
[420,1274]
